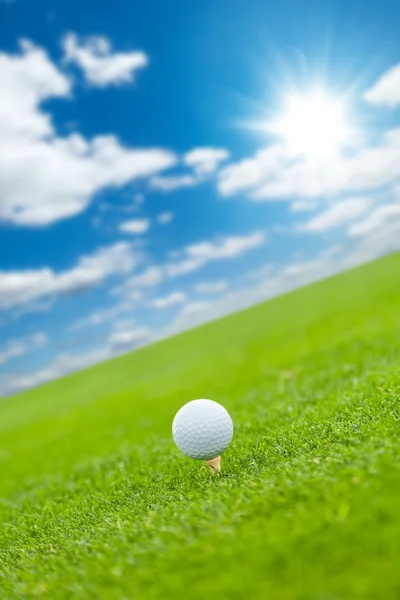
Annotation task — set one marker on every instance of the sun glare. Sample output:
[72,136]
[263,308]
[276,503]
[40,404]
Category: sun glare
[312,124]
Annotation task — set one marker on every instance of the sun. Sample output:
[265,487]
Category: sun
[313,124]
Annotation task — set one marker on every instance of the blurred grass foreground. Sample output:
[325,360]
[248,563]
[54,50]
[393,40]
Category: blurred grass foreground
[96,502]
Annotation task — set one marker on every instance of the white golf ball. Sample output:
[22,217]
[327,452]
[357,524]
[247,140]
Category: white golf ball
[202,429]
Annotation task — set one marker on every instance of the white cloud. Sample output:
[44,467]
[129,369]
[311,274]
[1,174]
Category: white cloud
[99,317]
[128,339]
[170,184]
[148,278]
[21,287]
[165,218]
[249,173]
[182,266]
[385,218]
[135,226]
[26,80]
[192,314]
[227,247]
[45,177]
[273,174]
[124,324]
[385,91]
[39,306]
[302,206]
[205,161]
[135,206]
[212,287]
[195,256]
[60,366]
[117,343]
[190,259]
[20,347]
[338,214]
[39,338]
[100,65]
[138,200]
[170,300]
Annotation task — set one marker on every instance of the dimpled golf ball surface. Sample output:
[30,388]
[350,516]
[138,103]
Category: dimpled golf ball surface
[202,429]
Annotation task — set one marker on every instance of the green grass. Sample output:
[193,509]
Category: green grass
[96,502]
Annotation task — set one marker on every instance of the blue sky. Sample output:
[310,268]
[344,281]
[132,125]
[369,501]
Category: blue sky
[153,177]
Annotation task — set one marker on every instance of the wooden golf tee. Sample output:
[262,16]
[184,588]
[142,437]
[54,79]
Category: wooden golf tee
[214,464]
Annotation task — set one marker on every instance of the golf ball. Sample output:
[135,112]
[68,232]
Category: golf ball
[202,429]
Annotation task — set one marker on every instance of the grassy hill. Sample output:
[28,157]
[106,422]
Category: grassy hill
[96,502]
